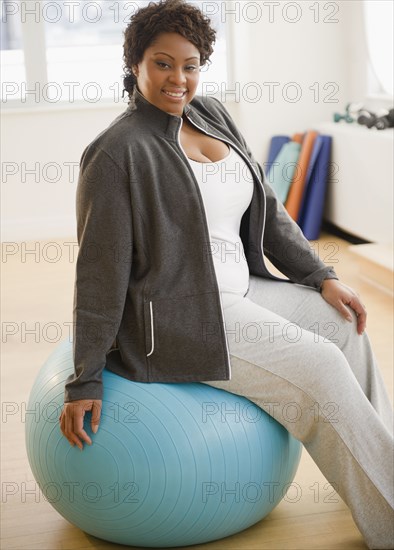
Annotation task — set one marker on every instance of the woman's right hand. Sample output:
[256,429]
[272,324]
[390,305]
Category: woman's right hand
[71,420]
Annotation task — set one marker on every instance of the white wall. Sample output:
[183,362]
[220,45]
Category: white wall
[51,142]
[303,52]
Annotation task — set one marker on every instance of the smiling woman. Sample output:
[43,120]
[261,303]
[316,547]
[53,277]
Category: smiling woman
[181,259]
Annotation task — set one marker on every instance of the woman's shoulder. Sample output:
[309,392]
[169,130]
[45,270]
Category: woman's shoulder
[117,135]
[118,127]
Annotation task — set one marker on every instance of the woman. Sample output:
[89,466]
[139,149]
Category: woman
[171,284]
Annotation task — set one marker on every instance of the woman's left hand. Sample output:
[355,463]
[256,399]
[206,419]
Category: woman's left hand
[340,295]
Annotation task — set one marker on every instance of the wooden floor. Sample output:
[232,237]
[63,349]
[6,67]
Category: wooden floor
[37,292]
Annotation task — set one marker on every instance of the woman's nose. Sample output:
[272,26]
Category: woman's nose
[178,77]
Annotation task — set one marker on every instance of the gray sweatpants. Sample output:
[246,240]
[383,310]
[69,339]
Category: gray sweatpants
[296,357]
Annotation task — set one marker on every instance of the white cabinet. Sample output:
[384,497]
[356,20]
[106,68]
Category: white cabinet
[359,197]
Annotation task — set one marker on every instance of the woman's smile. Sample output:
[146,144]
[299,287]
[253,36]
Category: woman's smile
[175,95]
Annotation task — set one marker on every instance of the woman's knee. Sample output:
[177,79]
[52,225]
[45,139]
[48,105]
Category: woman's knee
[332,326]
[326,367]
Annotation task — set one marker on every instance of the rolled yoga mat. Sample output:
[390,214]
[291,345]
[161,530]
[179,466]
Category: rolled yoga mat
[294,198]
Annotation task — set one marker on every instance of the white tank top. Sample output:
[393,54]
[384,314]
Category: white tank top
[226,187]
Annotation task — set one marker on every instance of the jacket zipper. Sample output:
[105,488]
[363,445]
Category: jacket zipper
[206,222]
[151,329]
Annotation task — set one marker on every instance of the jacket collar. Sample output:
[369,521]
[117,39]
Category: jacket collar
[158,119]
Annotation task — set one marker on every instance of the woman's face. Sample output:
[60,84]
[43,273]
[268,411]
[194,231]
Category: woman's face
[170,66]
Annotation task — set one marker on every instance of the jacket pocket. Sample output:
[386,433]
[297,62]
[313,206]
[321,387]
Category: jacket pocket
[149,328]
[184,337]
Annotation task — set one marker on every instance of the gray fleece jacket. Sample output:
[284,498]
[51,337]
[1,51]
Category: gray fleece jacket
[146,300]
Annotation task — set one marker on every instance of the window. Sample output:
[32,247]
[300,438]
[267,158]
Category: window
[378,16]
[56,51]
[12,61]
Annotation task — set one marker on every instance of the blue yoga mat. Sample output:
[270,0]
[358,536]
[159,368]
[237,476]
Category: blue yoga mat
[312,205]
[275,146]
[280,175]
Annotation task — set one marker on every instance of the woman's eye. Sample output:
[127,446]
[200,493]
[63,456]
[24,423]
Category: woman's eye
[163,65]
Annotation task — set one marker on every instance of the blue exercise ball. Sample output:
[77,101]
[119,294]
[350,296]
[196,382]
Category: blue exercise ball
[172,464]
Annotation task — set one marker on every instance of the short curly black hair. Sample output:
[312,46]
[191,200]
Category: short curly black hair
[164,16]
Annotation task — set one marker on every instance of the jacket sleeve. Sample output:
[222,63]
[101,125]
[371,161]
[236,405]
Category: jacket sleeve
[104,231]
[284,243]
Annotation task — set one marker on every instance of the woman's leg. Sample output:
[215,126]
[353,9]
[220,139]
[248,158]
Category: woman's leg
[305,382]
[306,307]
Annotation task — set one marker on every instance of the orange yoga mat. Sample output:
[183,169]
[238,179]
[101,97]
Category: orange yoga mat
[294,197]
[298,138]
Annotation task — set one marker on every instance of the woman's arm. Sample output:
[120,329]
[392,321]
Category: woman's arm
[104,229]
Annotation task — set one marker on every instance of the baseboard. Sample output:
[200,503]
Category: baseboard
[338,232]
